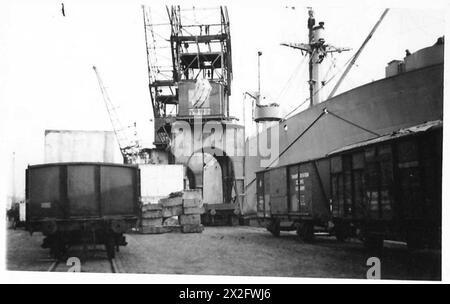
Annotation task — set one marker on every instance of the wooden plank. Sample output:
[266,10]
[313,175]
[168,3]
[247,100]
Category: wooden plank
[192,228]
[192,219]
[151,222]
[194,210]
[172,211]
[279,205]
[152,214]
[194,202]
[278,182]
[171,222]
[171,202]
[154,230]
[151,207]
[192,194]
[220,206]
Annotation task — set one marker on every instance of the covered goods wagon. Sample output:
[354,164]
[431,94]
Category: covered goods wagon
[390,187]
[294,197]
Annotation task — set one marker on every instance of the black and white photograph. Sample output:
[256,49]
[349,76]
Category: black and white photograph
[281,141]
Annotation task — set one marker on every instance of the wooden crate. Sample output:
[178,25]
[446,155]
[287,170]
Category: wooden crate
[192,228]
[194,210]
[172,211]
[192,219]
[171,202]
[147,222]
[152,214]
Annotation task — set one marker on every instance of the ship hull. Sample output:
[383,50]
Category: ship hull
[375,109]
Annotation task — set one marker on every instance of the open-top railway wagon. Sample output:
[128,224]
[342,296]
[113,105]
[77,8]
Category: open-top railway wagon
[82,203]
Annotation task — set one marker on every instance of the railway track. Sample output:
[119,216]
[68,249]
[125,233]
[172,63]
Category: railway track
[97,263]
[58,266]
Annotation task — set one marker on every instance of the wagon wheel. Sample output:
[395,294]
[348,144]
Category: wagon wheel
[414,240]
[373,242]
[306,232]
[59,250]
[110,246]
[341,232]
[274,228]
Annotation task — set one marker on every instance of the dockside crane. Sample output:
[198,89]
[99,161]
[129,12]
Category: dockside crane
[128,147]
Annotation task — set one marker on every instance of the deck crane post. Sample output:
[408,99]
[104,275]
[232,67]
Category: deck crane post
[355,57]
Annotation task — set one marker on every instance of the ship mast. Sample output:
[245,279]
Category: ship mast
[13,192]
[317,50]
[313,68]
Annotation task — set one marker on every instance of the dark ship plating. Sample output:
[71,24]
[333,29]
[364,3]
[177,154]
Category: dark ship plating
[365,162]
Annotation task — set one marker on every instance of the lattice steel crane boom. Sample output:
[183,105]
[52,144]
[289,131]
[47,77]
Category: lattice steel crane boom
[129,148]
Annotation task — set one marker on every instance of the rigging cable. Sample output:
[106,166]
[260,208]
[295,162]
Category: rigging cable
[354,124]
[300,105]
[324,112]
[338,71]
[332,65]
[315,93]
[293,75]
[291,144]
[297,107]
[347,70]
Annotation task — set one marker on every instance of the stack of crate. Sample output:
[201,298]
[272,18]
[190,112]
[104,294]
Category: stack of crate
[190,220]
[187,206]
[155,216]
[172,208]
[152,219]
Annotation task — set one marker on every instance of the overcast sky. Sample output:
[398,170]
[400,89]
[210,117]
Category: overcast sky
[46,59]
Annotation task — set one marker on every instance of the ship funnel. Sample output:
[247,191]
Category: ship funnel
[267,112]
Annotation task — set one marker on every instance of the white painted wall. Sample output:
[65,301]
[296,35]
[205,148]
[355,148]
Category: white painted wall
[81,146]
[22,211]
[212,186]
[159,181]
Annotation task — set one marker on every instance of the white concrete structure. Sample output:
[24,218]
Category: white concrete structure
[158,181]
[81,146]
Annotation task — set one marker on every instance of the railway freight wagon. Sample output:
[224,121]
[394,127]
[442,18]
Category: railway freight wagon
[390,188]
[295,197]
[80,203]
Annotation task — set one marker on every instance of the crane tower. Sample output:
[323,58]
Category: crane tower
[190,73]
